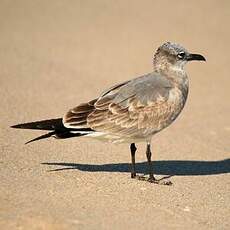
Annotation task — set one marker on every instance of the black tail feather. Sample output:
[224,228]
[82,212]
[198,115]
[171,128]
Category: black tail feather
[63,135]
[51,124]
[56,127]
[41,137]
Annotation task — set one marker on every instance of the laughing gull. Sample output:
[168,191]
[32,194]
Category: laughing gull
[132,111]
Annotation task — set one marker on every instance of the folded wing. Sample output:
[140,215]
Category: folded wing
[134,108]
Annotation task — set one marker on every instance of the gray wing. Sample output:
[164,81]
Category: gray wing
[130,108]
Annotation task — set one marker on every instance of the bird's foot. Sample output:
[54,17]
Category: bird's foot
[154,180]
[160,181]
[133,175]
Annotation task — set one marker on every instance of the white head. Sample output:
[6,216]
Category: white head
[172,56]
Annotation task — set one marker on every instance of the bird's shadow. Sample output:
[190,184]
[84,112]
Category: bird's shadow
[169,167]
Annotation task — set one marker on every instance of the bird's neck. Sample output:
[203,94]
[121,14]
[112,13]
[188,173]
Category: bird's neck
[175,74]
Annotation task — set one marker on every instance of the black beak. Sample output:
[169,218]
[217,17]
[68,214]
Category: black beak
[195,57]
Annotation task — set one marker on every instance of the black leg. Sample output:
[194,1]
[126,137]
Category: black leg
[148,155]
[152,179]
[133,151]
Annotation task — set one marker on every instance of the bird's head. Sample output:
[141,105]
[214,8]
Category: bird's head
[172,56]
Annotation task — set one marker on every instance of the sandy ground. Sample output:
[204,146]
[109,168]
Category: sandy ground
[56,54]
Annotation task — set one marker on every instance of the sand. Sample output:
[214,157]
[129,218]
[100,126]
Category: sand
[56,54]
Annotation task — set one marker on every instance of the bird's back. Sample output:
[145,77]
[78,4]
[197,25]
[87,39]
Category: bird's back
[133,110]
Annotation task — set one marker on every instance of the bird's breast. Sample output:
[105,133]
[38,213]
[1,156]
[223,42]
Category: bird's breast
[164,112]
[176,101]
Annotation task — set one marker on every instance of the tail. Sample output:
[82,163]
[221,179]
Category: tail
[56,127]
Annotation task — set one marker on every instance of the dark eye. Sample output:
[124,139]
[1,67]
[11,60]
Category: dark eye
[181,55]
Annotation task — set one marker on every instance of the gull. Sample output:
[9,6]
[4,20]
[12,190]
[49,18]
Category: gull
[132,111]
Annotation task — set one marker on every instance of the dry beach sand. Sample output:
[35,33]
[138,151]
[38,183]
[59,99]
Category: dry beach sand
[55,54]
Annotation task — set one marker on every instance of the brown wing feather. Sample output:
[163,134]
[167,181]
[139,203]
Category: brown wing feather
[104,115]
[135,109]
[135,120]
[77,117]
[114,119]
